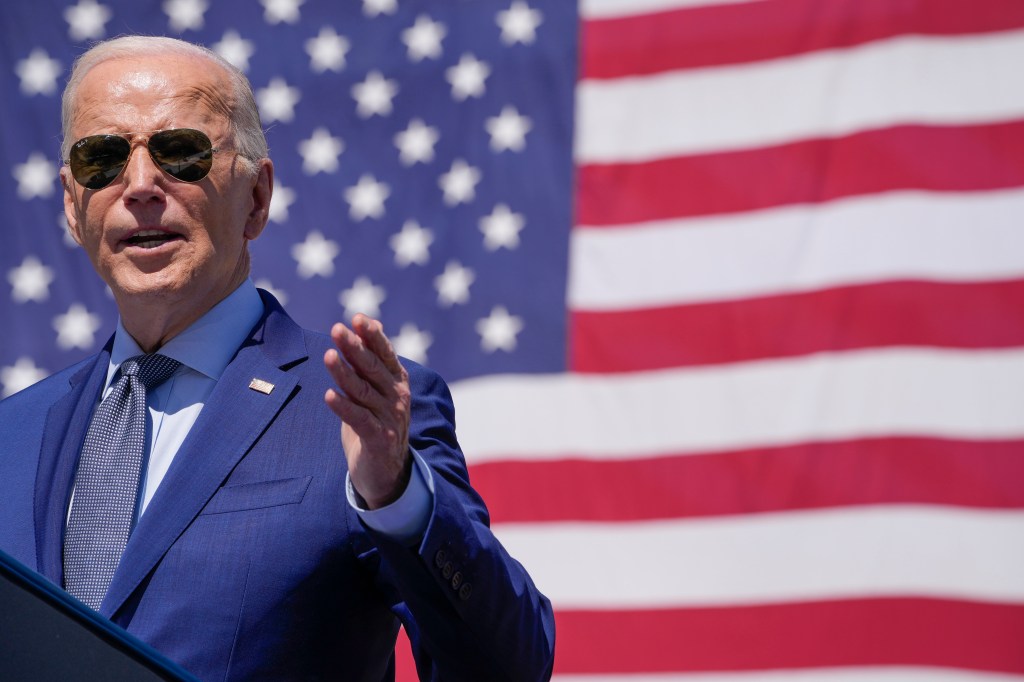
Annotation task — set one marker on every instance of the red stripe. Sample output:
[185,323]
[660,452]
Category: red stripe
[963,158]
[730,34]
[943,314]
[981,474]
[405,664]
[922,632]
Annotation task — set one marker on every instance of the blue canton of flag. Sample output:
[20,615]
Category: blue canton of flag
[423,171]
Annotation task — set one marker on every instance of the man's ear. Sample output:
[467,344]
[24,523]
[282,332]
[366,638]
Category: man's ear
[262,190]
[71,212]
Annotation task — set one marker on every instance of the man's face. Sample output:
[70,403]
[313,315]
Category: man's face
[199,254]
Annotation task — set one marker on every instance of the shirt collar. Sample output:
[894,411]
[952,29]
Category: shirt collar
[209,343]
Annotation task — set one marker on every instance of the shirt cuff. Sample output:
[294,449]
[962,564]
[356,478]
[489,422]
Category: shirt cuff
[404,520]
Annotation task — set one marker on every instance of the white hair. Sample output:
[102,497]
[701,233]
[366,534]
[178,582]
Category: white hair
[244,116]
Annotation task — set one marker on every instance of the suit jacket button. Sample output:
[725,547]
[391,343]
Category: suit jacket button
[448,569]
[456,580]
[465,591]
[439,558]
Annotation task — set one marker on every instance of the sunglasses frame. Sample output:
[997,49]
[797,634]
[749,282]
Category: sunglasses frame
[91,183]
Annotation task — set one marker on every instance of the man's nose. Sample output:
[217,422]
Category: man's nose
[143,178]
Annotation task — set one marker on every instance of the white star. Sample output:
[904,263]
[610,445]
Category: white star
[416,143]
[265,284]
[499,330]
[22,374]
[412,244]
[508,130]
[30,281]
[185,14]
[467,77]
[453,284]
[374,95]
[38,73]
[277,101]
[86,19]
[364,297]
[372,8]
[519,23]
[280,200]
[412,343]
[281,11]
[327,51]
[235,49]
[76,328]
[424,38]
[35,177]
[366,199]
[459,183]
[315,256]
[501,228]
[320,152]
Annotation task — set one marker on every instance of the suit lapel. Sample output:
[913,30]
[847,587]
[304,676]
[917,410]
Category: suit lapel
[66,424]
[230,422]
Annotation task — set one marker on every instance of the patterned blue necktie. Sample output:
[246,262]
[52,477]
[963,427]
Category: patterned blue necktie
[107,482]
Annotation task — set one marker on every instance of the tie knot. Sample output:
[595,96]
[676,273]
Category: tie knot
[152,369]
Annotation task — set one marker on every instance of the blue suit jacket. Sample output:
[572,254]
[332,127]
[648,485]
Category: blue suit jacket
[249,562]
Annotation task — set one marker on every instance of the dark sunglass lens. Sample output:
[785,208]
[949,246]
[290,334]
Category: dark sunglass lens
[96,160]
[183,153]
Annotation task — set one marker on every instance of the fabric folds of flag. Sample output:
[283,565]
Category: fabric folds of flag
[791,441]
[729,296]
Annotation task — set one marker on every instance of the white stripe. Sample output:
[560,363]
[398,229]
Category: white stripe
[857,674]
[829,396]
[948,80]
[938,552]
[906,235]
[609,9]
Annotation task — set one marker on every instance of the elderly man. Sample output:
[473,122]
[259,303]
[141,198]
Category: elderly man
[189,481]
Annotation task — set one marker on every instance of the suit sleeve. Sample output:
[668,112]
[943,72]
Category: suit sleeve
[471,611]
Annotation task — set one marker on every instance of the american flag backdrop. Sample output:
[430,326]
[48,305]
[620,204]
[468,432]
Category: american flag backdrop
[730,295]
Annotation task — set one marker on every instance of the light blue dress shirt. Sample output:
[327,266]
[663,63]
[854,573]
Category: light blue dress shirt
[204,350]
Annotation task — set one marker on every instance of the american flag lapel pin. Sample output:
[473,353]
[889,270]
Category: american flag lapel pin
[261,386]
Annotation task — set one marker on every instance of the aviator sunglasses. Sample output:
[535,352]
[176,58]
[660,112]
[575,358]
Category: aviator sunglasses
[182,153]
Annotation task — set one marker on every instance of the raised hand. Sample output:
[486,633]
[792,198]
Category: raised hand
[373,402]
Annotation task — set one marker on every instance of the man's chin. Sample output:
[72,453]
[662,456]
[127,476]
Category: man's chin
[147,288]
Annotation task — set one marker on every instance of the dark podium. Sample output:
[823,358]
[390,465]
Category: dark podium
[46,634]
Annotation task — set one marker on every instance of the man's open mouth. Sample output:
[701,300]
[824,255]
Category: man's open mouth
[150,239]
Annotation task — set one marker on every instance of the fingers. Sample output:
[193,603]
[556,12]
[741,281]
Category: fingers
[373,400]
[349,411]
[367,370]
[372,333]
[352,389]
[382,423]
[368,351]
[377,435]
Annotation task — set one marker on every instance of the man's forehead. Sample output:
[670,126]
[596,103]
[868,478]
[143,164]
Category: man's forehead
[132,82]
[161,73]
[154,82]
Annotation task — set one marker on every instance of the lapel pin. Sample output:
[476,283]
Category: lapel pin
[261,386]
